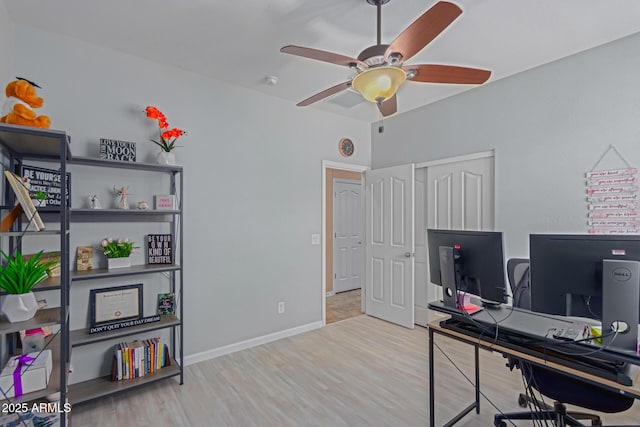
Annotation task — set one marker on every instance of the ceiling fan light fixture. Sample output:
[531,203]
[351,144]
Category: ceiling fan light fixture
[380,83]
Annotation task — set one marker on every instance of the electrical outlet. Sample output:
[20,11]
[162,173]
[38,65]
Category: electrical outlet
[281,307]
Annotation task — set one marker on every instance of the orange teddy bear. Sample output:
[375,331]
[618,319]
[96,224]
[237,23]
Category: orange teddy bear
[21,98]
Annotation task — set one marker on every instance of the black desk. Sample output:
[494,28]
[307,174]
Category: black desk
[615,370]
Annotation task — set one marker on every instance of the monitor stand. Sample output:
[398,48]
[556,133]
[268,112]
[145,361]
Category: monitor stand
[448,277]
[620,296]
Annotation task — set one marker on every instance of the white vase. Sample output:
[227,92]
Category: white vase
[119,262]
[20,307]
[166,158]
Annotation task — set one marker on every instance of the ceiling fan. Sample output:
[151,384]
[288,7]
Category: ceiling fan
[381,69]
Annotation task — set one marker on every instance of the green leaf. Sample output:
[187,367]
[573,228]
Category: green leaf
[18,276]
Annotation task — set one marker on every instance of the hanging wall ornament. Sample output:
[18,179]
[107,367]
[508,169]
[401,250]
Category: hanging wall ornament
[612,198]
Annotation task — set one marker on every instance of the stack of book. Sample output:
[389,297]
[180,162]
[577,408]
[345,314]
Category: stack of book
[139,358]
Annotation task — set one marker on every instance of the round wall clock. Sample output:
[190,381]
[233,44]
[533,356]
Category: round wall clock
[345,147]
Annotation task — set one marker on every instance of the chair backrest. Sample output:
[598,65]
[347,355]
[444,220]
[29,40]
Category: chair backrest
[520,282]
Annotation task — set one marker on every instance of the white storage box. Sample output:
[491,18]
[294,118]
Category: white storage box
[34,375]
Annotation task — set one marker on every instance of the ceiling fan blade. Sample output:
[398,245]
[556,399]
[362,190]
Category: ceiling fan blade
[430,73]
[325,93]
[389,107]
[322,55]
[423,30]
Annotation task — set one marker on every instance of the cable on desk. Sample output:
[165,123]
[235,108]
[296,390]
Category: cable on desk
[536,406]
[469,380]
[484,328]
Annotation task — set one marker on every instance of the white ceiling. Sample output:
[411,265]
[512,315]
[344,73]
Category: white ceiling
[239,41]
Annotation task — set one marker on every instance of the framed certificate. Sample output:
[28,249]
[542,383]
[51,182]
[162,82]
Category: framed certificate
[116,304]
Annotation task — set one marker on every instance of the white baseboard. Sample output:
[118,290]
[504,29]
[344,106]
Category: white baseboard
[330,294]
[421,317]
[243,345]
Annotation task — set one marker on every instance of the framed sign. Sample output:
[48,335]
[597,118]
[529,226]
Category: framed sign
[159,249]
[112,149]
[116,304]
[44,186]
[166,303]
[165,202]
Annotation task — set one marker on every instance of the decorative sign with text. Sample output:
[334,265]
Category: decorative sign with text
[159,249]
[612,199]
[112,149]
[44,184]
[165,202]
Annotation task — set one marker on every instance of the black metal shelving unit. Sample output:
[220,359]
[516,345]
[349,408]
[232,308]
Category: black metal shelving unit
[19,143]
[96,388]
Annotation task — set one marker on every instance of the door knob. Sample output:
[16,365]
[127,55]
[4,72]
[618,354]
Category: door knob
[407,254]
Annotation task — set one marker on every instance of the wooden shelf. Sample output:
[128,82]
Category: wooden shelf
[50,284]
[92,161]
[83,337]
[103,386]
[129,271]
[43,317]
[30,233]
[27,141]
[114,215]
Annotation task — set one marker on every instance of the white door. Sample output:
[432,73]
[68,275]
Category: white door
[389,265]
[348,256]
[460,196]
[421,264]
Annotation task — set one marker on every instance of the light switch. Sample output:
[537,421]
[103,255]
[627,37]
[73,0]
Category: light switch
[315,239]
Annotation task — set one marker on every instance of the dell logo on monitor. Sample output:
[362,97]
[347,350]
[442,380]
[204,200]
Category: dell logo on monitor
[621,274]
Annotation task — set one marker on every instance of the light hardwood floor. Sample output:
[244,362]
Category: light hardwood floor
[343,305]
[358,372]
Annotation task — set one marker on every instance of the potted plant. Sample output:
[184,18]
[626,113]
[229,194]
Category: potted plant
[168,137]
[18,277]
[118,252]
[41,199]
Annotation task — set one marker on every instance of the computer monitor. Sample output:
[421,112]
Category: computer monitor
[477,262]
[566,270]
[593,276]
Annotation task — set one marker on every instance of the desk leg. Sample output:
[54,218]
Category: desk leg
[477,380]
[432,397]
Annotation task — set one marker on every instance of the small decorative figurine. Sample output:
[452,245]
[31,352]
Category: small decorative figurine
[142,205]
[94,202]
[122,193]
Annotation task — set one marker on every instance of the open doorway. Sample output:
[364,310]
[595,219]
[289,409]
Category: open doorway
[343,232]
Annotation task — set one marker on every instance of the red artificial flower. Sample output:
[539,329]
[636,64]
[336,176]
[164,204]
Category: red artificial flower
[152,112]
[176,133]
[168,137]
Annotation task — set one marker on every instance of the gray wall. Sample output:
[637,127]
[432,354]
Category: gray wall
[252,177]
[6,48]
[548,127]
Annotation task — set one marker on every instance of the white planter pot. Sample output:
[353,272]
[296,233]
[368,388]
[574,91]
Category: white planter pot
[166,158]
[19,308]
[119,262]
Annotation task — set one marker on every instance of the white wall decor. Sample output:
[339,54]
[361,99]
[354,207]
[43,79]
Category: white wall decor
[611,198]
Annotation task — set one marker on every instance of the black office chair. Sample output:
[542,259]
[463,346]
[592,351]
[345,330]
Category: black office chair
[563,390]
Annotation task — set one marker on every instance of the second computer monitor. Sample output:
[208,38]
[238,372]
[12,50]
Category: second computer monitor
[480,266]
[566,270]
